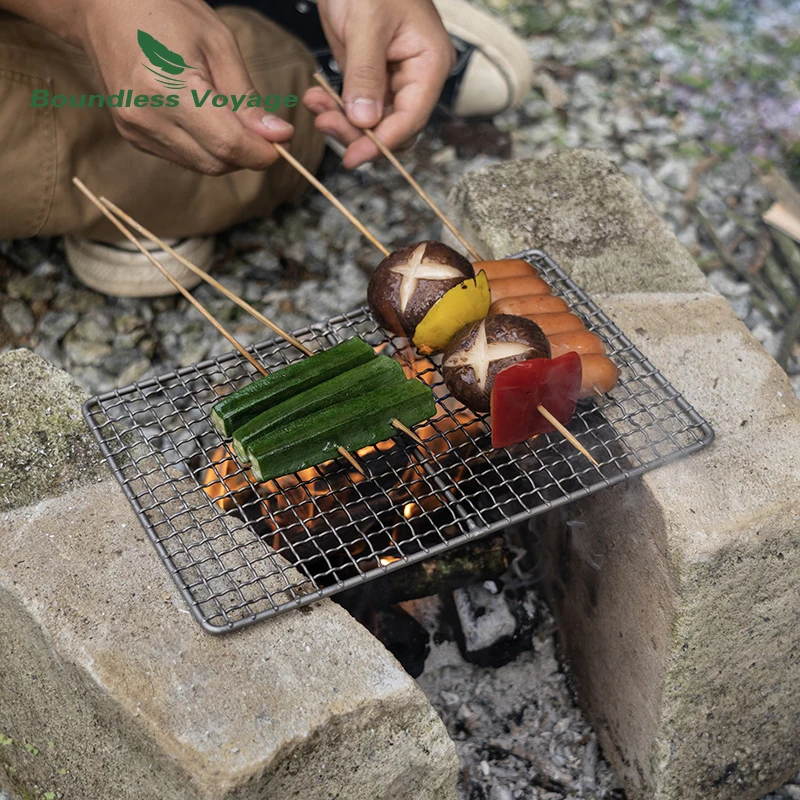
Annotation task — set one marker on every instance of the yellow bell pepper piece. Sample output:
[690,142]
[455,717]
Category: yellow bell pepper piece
[462,305]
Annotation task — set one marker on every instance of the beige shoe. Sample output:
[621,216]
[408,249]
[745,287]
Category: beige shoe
[496,72]
[121,270]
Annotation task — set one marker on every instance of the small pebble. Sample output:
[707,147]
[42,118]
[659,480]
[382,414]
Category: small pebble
[17,315]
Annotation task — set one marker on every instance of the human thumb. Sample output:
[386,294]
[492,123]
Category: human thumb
[364,76]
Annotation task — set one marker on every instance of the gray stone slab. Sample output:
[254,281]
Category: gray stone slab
[109,688]
[101,658]
[677,598]
[584,212]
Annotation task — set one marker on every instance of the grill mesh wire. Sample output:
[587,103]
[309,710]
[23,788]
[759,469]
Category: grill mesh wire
[287,544]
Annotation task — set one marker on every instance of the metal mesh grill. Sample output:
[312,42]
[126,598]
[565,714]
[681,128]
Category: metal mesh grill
[241,552]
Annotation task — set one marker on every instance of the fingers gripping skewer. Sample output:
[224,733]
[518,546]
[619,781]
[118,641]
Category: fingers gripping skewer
[403,171]
[104,207]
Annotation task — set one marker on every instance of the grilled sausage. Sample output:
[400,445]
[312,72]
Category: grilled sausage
[507,268]
[518,287]
[583,343]
[555,324]
[530,305]
[599,373]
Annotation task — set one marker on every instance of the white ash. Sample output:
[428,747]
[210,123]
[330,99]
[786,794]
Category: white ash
[517,728]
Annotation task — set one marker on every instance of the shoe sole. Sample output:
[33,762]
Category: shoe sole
[122,273]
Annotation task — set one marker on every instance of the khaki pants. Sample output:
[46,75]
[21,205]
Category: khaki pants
[41,149]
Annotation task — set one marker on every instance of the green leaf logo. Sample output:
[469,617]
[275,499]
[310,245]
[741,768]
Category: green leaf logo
[164,59]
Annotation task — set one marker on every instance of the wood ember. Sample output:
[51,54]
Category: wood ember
[485,618]
[493,626]
[401,634]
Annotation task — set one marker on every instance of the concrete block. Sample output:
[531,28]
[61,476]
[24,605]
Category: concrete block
[45,446]
[677,598]
[584,212]
[109,688]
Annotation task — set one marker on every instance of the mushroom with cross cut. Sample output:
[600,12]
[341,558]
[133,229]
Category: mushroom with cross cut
[409,281]
[478,352]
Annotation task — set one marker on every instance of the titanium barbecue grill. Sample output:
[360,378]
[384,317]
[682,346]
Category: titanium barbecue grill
[240,552]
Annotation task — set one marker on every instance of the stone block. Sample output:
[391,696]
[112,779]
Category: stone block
[45,446]
[109,688]
[584,212]
[677,597]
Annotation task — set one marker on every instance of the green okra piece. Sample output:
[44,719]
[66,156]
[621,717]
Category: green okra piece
[376,374]
[240,407]
[352,424]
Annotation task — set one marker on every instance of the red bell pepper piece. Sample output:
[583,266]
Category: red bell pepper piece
[521,388]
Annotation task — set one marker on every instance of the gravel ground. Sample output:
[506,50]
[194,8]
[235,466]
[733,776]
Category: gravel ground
[694,101]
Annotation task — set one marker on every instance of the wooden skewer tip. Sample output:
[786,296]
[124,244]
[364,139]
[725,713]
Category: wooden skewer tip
[566,434]
[408,432]
[350,458]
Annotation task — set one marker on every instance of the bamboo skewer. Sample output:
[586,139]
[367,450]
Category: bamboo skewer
[329,195]
[239,302]
[408,432]
[407,175]
[188,295]
[403,171]
[205,276]
[160,267]
[565,433]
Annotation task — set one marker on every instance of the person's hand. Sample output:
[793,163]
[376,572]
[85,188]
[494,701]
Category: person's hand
[210,140]
[395,56]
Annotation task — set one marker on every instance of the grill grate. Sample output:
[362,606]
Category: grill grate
[240,552]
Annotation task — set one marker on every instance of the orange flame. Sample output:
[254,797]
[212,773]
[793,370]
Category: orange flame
[311,501]
[224,481]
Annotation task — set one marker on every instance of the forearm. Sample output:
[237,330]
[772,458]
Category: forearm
[61,17]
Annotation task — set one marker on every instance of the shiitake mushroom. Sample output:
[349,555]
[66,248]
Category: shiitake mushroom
[479,351]
[409,281]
